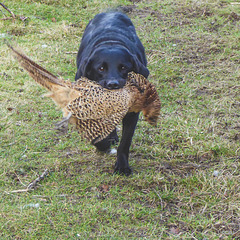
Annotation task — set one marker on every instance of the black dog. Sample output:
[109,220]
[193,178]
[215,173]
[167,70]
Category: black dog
[109,50]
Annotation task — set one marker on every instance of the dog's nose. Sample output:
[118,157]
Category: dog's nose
[113,84]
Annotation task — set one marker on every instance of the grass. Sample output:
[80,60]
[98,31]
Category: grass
[186,170]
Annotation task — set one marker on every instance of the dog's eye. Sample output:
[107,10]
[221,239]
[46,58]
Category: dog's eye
[123,67]
[101,69]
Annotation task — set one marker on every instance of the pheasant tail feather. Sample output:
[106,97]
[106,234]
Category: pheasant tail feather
[38,73]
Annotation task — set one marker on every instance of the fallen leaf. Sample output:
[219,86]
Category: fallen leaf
[104,188]
[174,230]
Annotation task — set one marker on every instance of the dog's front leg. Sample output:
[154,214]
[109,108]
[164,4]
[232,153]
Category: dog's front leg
[105,144]
[129,125]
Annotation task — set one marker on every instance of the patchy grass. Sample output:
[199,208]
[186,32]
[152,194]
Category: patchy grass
[186,170]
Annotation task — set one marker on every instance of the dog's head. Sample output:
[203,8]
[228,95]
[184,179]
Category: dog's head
[110,66]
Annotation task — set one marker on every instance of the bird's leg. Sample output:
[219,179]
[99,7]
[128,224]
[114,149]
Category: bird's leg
[129,125]
[62,126]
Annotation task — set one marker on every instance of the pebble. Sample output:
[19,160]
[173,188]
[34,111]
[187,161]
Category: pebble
[3,35]
[37,205]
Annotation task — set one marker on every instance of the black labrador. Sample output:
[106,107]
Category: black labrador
[109,50]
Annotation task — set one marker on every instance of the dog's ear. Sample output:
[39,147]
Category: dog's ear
[138,67]
[84,69]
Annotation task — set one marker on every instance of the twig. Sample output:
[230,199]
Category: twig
[19,191]
[13,15]
[161,201]
[20,180]
[32,184]
[71,52]
[4,19]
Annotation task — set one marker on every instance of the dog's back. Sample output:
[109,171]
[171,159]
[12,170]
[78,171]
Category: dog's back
[110,28]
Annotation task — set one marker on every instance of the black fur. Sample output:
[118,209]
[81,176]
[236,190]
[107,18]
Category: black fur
[109,50]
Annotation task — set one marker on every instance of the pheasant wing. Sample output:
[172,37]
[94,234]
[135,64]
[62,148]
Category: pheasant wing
[96,102]
[96,130]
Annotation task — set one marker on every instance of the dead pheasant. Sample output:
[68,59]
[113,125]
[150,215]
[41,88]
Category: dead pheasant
[94,110]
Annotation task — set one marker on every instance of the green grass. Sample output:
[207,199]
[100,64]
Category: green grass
[186,170]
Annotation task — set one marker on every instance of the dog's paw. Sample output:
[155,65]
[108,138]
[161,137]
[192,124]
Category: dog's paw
[112,151]
[123,171]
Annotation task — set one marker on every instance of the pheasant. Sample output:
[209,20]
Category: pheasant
[94,110]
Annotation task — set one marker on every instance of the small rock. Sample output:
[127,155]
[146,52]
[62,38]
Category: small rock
[174,230]
[18,123]
[215,173]
[37,205]
[3,35]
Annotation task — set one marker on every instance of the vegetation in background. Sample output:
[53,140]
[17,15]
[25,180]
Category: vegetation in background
[185,183]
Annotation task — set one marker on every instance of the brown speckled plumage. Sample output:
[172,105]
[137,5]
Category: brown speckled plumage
[94,110]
